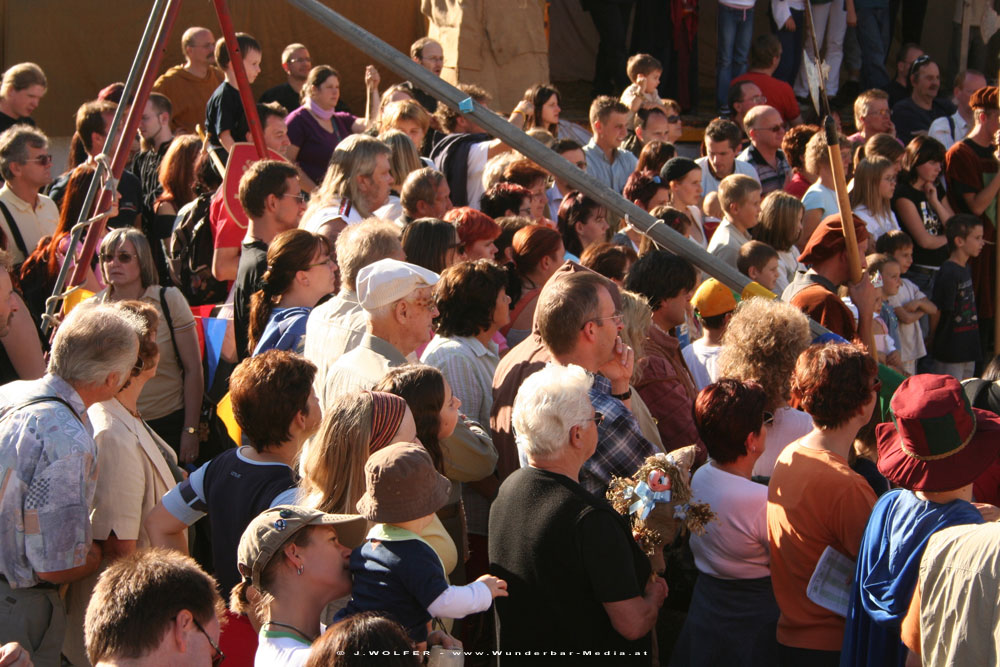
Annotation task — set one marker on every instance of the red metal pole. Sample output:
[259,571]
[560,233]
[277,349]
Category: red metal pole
[96,231]
[246,96]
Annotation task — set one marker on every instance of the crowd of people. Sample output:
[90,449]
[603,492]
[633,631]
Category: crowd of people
[439,357]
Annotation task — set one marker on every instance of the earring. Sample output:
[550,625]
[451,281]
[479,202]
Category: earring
[299,571]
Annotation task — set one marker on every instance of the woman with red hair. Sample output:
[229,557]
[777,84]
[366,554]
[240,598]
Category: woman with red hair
[537,252]
[476,231]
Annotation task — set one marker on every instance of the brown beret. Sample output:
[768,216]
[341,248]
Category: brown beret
[827,240]
[985,98]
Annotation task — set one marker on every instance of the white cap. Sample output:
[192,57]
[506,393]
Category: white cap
[389,280]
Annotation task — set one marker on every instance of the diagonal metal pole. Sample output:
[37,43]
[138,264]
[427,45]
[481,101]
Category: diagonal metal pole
[242,83]
[555,164]
[131,82]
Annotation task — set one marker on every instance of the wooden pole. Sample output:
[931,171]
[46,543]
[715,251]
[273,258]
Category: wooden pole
[846,216]
[963,52]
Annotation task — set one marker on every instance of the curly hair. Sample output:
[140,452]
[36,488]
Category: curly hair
[466,296]
[833,382]
[761,343]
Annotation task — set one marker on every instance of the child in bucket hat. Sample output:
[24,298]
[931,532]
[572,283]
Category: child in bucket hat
[396,573]
[935,448]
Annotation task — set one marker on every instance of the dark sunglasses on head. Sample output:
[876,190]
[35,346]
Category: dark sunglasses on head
[918,63]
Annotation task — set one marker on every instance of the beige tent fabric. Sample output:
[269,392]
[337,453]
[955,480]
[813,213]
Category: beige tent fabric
[500,46]
[84,46]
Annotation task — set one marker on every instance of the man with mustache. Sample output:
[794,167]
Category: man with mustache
[913,115]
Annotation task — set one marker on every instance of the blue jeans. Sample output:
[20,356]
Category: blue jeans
[735,33]
[873,38]
[791,48]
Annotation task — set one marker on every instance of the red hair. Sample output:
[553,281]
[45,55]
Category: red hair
[532,244]
[472,225]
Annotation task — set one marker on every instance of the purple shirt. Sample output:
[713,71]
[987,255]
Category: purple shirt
[315,144]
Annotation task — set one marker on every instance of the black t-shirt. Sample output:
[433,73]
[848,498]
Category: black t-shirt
[897,91]
[563,552]
[957,337]
[8,122]
[224,111]
[284,95]
[253,264]
[910,118]
[129,200]
[932,223]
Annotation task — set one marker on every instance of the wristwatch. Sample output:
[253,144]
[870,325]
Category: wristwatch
[623,397]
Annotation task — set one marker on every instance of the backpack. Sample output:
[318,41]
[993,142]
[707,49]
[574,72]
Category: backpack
[451,158]
[189,256]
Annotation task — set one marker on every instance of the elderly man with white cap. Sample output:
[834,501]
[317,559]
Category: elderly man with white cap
[399,305]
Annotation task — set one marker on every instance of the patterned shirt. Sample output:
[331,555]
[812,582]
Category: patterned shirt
[771,177]
[621,447]
[48,475]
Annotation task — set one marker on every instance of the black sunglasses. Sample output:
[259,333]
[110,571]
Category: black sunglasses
[217,656]
[918,63]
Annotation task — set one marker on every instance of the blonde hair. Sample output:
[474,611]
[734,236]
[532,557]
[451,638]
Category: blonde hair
[404,110]
[353,157]
[863,104]
[867,178]
[762,342]
[816,152]
[735,188]
[404,158]
[636,318]
[333,466]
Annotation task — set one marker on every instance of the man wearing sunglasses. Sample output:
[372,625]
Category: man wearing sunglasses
[764,154]
[155,607]
[296,62]
[26,166]
[913,115]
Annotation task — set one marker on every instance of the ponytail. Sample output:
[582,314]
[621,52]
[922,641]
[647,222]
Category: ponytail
[261,307]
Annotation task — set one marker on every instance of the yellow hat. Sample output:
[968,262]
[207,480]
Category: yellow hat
[713,298]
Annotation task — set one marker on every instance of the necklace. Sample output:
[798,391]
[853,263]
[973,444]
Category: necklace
[134,413]
[293,628]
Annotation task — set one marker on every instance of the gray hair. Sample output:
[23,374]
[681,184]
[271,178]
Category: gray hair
[363,244]
[548,404]
[14,144]
[94,341]
[116,237]
[353,157]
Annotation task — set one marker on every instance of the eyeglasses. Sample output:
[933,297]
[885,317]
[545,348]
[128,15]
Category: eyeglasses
[616,316]
[300,197]
[768,418]
[881,112]
[218,656]
[598,418]
[43,160]
[137,368]
[323,262]
[292,61]
[122,257]
[756,99]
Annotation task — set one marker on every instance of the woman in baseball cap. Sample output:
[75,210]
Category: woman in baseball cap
[934,449]
[294,561]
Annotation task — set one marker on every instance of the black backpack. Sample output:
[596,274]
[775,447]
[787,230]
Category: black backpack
[189,256]
[451,157]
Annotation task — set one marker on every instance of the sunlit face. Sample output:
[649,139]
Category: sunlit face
[327,562]
[768,274]
[150,123]
[314,415]
[927,81]
[432,58]
[747,212]
[891,278]
[455,252]
[376,187]
[594,229]
[322,275]
[442,200]
[904,257]
[608,324]
[721,157]
[36,171]
[251,65]
[769,131]
[673,310]
[687,191]
[290,206]
[613,132]
[887,184]
[202,48]
[878,118]
[24,102]
[928,172]
[448,417]
[412,129]
[974,241]
[326,94]
[551,111]
[481,249]
[539,199]
[422,309]
[657,129]
[121,266]
[652,82]
[661,197]
[299,63]
[501,310]
[276,135]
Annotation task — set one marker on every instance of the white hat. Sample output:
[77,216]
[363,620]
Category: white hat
[389,280]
